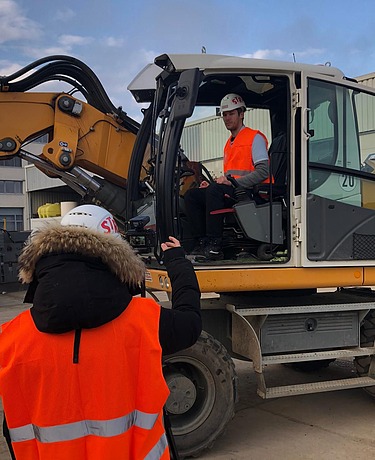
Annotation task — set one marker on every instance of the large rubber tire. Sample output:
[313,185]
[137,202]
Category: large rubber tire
[203,385]
[362,363]
[264,252]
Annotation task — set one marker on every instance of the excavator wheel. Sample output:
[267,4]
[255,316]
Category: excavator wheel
[362,363]
[203,385]
[264,252]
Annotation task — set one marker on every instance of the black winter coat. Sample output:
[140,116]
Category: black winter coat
[81,279]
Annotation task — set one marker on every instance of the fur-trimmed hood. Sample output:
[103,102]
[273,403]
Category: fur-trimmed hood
[79,278]
[114,252]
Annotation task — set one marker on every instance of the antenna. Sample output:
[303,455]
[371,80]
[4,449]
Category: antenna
[294,57]
[203,50]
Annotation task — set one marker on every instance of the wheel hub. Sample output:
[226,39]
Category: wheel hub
[182,394]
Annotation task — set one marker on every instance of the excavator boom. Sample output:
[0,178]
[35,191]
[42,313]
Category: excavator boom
[84,138]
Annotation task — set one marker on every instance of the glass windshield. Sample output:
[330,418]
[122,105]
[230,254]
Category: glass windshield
[333,141]
[341,164]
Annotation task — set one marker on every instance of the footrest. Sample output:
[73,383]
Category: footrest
[223,211]
[316,387]
[318,355]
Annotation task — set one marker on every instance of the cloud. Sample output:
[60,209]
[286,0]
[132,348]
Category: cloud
[64,14]
[115,74]
[266,54]
[7,68]
[310,52]
[74,40]
[39,52]
[279,54]
[113,42]
[15,25]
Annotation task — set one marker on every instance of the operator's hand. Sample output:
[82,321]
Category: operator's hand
[204,184]
[173,243]
[223,180]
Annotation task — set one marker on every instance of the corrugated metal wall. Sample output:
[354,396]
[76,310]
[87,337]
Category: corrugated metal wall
[368,79]
[366,117]
[36,180]
[366,105]
[41,197]
[366,112]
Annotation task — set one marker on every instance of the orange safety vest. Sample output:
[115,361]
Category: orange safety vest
[106,407]
[238,157]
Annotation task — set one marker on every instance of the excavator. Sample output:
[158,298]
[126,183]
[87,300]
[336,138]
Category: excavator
[295,286]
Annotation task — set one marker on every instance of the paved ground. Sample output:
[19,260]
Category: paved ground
[10,305]
[330,426]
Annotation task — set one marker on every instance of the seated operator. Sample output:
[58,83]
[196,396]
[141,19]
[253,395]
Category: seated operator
[246,159]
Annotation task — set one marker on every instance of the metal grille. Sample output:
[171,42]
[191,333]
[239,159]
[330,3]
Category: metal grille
[363,246]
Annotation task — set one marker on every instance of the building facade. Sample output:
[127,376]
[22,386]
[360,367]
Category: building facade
[24,189]
[13,198]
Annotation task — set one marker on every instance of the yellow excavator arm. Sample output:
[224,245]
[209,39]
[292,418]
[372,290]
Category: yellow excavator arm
[80,134]
[89,140]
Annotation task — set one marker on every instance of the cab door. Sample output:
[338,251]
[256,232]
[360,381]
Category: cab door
[180,101]
[337,220]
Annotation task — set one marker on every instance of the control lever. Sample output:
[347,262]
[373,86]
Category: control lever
[233,181]
[240,193]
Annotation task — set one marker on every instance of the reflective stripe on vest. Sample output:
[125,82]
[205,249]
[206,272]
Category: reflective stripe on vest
[70,431]
[158,450]
[237,172]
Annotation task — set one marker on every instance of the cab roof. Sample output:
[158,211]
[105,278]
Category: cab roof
[143,85]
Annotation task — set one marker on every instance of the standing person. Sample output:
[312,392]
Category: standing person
[245,159]
[81,371]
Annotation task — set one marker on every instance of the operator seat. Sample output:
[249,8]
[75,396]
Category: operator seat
[278,166]
[261,208]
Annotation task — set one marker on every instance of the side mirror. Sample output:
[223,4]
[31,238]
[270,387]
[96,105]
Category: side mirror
[186,94]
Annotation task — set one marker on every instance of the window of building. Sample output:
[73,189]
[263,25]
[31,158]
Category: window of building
[11,219]
[12,162]
[10,186]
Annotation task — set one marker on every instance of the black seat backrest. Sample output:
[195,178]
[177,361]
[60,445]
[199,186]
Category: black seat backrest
[278,159]
[278,166]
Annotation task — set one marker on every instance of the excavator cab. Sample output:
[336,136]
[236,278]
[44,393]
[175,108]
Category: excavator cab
[194,131]
[316,119]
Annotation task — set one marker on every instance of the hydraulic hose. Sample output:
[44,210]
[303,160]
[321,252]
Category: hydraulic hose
[72,71]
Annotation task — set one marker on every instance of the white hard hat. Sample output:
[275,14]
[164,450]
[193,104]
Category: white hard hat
[91,216]
[231,102]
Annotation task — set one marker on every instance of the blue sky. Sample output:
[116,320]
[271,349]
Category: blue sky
[117,38]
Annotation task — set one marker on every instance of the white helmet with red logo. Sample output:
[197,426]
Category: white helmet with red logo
[91,216]
[231,102]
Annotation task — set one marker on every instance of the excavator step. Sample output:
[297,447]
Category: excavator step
[316,387]
[298,309]
[318,355]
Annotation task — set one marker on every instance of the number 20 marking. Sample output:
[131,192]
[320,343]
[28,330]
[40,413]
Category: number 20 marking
[347,183]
